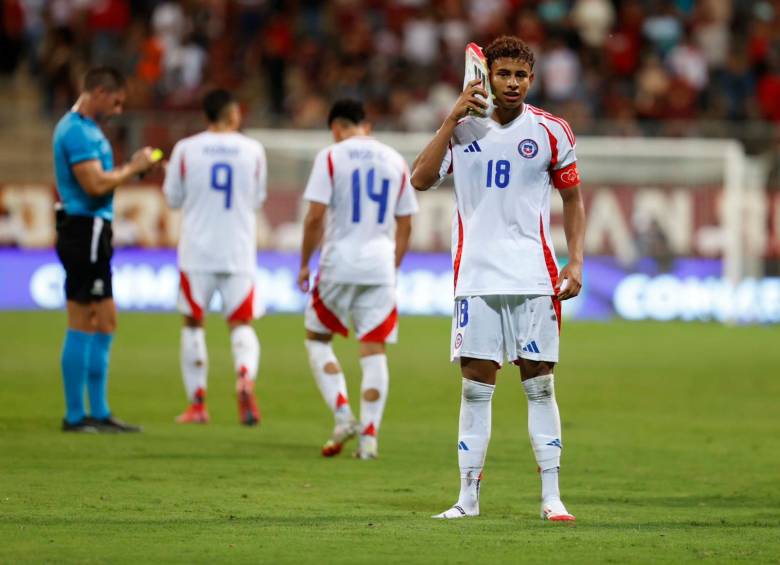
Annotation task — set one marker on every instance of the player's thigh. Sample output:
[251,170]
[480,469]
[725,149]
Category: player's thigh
[195,291]
[238,296]
[476,329]
[374,314]
[327,310]
[533,327]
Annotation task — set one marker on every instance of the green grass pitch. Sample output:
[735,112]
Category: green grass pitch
[672,453]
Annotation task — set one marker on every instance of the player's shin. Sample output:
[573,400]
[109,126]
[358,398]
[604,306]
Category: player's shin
[97,375]
[246,351]
[544,428]
[373,396]
[330,379]
[473,438]
[75,363]
[194,362]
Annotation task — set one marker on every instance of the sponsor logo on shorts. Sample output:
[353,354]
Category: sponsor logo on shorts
[530,347]
[555,443]
[462,446]
[528,148]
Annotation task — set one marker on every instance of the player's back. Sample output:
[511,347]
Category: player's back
[219,180]
[366,185]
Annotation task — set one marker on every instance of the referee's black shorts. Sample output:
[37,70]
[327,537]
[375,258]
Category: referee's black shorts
[85,249]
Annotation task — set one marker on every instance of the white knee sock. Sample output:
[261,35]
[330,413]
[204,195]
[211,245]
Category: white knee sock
[330,379]
[544,422]
[194,360]
[473,439]
[246,351]
[375,378]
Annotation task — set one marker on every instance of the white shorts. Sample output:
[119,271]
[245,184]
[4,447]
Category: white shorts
[499,327]
[236,291]
[371,308]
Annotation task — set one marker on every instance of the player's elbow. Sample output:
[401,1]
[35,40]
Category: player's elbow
[420,181]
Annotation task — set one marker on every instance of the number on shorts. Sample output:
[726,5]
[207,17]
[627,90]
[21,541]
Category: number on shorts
[463,313]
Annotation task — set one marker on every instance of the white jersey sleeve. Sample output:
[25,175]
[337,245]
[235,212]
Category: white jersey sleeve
[407,201]
[319,188]
[563,162]
[173,189]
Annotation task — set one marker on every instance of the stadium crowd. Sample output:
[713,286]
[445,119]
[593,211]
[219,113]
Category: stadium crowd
[611,66]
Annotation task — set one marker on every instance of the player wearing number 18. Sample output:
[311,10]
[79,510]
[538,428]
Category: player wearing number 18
[218,179]
[359,195]
[507,285]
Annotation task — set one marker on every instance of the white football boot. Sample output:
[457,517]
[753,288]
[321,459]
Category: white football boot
[367,448]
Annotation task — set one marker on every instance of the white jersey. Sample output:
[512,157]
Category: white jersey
[366,185]
[504,177]
[219,181]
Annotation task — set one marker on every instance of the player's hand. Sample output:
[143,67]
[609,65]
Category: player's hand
[303,279]
[569,281]
[142,161]
[473,99]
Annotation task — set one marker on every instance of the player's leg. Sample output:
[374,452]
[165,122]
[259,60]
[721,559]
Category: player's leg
[375,317]
[75,365]
[104,317]
[477,340]
[535,322]
[194,295]
[324,316]
[238,298]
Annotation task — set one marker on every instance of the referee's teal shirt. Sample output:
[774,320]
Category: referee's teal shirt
[76,139]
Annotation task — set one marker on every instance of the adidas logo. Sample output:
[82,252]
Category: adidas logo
[530,347]
[555,443]
[473,148]
[463,447]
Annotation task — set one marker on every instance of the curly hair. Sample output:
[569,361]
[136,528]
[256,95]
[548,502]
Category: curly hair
[511,47]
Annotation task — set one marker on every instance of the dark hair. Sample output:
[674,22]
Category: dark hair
[347,109]
[215,102]
[510,47]
[107,78]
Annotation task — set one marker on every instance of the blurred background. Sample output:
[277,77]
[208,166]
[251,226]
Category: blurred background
[676,105]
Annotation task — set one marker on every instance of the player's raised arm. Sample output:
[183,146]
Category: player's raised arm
[96,181]
[427,166]
[570,279]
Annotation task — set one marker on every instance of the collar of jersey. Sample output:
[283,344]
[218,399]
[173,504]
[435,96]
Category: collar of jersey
[495,125]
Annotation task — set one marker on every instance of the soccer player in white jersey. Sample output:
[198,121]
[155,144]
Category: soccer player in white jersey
[359,195]
[218,179]
[507,284]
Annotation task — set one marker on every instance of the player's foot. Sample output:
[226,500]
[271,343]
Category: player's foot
[555,511]
[367,448]
[80,427]
[341,434]
[456,511]
[248,412]
[196,413]
[113,425]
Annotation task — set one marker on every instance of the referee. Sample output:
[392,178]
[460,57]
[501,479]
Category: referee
[86,179]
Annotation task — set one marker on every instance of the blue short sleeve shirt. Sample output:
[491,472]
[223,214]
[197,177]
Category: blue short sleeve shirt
[77,139]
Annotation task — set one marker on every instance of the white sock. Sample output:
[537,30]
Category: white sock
[376,377]
[550,489]
[473,439]
[194,360]
[330,379]
[544,422]
[246,350]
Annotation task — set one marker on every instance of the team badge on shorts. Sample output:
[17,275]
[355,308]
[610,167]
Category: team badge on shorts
[458,340]
[528,148]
